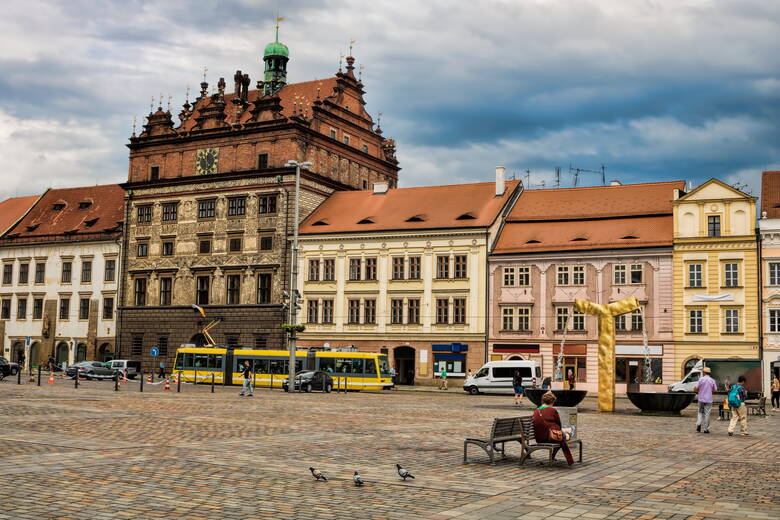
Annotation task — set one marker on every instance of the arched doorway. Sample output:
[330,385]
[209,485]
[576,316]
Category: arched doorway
[34,353]
[199,340]
[515,358]
[81,352]
[404,365]
[105,352]
[17,351]
[688,365]
[61,355]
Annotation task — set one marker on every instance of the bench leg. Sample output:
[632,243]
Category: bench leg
[580,452]
[524,455]
[465,451]
[491,454]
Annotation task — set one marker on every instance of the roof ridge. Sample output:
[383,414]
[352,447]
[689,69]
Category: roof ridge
[610,186]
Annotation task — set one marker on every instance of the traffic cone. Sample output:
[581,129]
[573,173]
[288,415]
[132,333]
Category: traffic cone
[51,378]
[167,384]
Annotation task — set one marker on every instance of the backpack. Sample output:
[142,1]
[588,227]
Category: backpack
[735,399]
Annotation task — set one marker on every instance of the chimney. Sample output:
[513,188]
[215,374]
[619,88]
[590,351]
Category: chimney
[500,184]
[615,182]
[380,188]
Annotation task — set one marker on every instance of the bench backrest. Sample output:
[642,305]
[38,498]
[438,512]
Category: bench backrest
[505,427]
[527,427]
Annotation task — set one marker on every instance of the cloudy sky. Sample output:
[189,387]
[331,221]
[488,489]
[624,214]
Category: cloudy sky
[652,89]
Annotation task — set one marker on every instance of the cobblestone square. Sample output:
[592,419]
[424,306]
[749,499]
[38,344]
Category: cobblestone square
[96,453]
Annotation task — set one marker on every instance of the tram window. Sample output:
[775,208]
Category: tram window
[343,366]
[327,364]
[215,361]
[201,361]
[384,366]
[261,366]
[298,365]
[371,367]
[357,366]
[179,362]
[278,366]
[187,361]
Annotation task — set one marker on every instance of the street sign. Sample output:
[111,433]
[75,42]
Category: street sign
[154,351]
[27,341]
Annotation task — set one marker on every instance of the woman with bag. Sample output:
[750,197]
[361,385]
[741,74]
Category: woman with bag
[547,426]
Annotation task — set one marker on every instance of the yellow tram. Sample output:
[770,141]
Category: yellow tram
[356,370]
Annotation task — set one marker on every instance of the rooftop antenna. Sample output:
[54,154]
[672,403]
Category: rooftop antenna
[528,177]
[557,176]
[577,172]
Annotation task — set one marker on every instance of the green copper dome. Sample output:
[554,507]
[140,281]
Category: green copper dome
[276,49]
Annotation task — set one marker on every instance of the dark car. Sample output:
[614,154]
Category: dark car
[90,370]
[8,368]
[309,380]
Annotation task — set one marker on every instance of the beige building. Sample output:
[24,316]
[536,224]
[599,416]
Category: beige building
[403,271]
[716,312]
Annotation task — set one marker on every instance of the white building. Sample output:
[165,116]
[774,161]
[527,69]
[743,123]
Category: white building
[60,276]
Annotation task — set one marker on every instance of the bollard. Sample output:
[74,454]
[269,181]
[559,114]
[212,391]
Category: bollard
[116,381]
[39,375]
[195,380]
[271,384]
[19,377]
[178,383]
[142,381]
[76,379]
[212,382]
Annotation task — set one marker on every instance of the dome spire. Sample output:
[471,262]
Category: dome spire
[275,56]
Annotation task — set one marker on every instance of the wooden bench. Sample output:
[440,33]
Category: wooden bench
[503,431]
[530,445]
[757,408]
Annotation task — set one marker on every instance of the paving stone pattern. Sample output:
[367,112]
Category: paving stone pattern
[96,453]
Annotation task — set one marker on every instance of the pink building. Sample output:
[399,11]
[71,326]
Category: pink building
[600,244]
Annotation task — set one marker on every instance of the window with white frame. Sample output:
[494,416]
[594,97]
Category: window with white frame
[731,274]
[508,318]
[774,273]
[561,318]
[523,318]
[524,276]
[578,275]
[637,273]
[774,320]
[312,311]
[637,321]
[731,320]
[695,275]
[619,274]
[563,275]
[577,321]
[509,276]
[696,321]
[620,323]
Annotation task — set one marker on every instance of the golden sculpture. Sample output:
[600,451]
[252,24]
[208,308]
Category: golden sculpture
[606,315]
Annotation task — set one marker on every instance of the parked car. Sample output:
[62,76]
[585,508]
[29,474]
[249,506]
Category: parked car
[13,368]
[133,368]
[5,368]
[91,370]
[309,380]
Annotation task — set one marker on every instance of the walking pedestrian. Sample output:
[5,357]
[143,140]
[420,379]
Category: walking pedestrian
[775,394]
[162,370]
[392,376]
[51,363]
[570,379]
[546,383]
[443,375]
[737,398]
[247,373]
[21,360]
[469,374]
[517,383]
[705,387]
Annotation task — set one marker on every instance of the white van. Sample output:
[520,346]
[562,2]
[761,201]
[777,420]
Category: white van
[496,377]
[126,366]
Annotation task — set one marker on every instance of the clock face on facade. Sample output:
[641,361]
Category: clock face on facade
[206,161]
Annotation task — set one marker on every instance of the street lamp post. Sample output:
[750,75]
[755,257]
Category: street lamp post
[294,294]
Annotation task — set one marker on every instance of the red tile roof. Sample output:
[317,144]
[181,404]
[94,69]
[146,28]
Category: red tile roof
[87,210]
[601,217]
[430,207]
[13,209]
[533,237]
[596,202]
[304,92]
[770,194]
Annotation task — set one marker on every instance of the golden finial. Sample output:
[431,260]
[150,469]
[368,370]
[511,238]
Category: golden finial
[169,102]
[360,72]
[205,70]
[352,41]
[134,121]
[151,105]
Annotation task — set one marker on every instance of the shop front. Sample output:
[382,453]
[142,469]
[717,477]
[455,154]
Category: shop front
[575,361]
[451,357]
[632,368]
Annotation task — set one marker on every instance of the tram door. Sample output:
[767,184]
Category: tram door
[227,375]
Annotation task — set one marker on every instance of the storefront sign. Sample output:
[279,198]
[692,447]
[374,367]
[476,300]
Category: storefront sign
[638,350]
[423,356]
[515,347]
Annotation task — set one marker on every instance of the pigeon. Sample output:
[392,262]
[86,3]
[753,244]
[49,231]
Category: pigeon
[403,472]
[357,480]
[317,474]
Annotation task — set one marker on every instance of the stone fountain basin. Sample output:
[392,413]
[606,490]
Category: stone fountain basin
[661,402]
[563,397]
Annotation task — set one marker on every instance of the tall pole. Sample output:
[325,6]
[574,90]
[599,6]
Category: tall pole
[294,272]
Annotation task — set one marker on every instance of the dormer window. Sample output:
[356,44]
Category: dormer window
[467,216]
[321,223]
[366,221]
[33,227]
[532,241]
[629,237]
[58,206]
[346,140]
[579,239]
[91,222]
[417,218]
[85,204]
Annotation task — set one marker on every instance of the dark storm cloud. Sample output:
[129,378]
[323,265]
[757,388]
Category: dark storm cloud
[652,89]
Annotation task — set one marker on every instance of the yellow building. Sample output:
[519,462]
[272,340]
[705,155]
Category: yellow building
[715,287]
[404,272]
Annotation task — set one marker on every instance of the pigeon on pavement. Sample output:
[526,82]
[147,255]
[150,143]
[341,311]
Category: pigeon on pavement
[403,472]
[317,474]
[357,480]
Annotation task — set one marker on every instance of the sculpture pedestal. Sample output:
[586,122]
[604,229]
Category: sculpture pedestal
[562,397]
[661,402]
